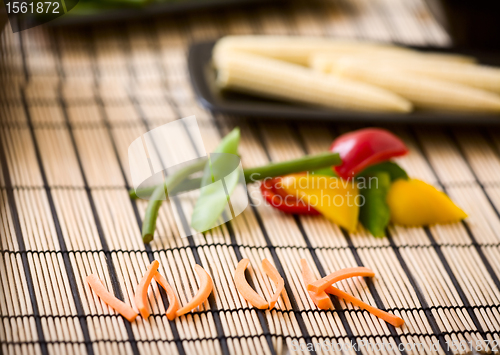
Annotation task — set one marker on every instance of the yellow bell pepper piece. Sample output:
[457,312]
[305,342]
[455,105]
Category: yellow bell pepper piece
[334,198]
[416,203]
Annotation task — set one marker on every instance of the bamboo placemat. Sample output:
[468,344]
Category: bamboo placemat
[73,100]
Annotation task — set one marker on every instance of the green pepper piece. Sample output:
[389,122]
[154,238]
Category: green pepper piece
[328,171]
[374,214]
[229,144]
[211,202]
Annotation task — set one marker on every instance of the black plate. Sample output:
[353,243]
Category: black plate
[203,80]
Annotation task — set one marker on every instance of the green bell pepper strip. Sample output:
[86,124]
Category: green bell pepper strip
[374,214]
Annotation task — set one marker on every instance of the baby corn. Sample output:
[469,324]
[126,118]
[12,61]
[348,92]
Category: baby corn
[298,49]
[323,61]
[436,66]
[423,91]
[281,80]
[478,76]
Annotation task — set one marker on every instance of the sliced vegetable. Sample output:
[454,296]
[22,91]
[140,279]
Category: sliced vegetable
[141,294]
[206,286]
[306,163]
[244,288]
[186,185]
[325,62]
[283,201]
[276,79]
[389,318]
[274,275]
[365,147]
[323,301]
[320,299]
[416,203]
[422,90]
[200,220]
[159,194]
[374,213]
[213,199]
[173,301]
[324,171]
[149,223]
[319,163]
[339,275]
[298,49]
[228,145]
[332,197]
[394,170]
[479,76]
[121,307]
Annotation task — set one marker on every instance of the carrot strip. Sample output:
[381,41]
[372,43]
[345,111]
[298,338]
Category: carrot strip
[206,286]
[322,284]
[118,305]
[320,299]
[244,288]
[141,294]
[173,301]
[274,275]
[389,318]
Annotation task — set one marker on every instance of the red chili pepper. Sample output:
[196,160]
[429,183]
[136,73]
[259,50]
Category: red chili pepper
[278,198]
[365,147]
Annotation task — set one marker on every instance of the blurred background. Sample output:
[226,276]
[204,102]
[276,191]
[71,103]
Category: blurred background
[468,24]
[91,23]
[111,29]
